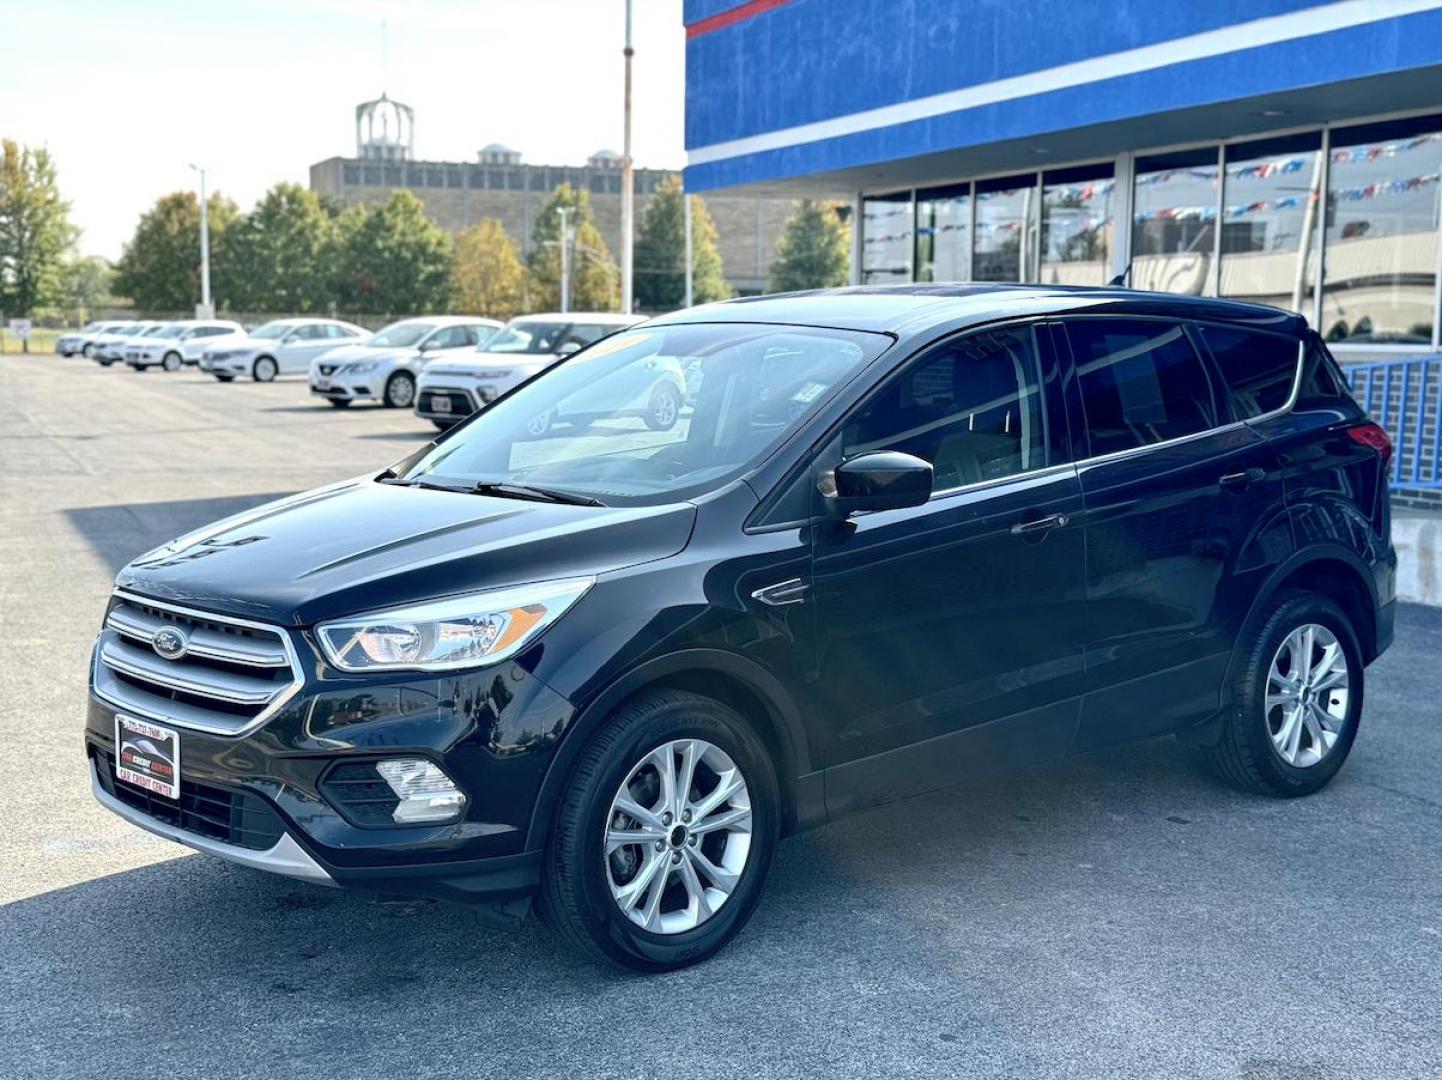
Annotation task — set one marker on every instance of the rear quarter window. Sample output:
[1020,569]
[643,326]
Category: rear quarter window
[1259,369]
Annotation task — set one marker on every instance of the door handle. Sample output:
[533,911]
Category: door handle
[1037,526]
[1243,478]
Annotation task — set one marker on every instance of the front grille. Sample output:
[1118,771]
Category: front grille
[231,675]
[239,818]
[358,792]
[460,402]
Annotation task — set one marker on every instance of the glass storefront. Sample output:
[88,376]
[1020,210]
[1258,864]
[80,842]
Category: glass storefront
[1076,225]
[1269,220]
[943,233]
[1249,220]
[1005,229]
[886,239]
[1380,269]
[1174,221]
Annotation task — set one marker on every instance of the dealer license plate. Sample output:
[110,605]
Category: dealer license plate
[440,404]
[148,756]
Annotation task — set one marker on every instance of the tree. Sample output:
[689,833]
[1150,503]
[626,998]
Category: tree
[283,254]
[487,277]
[660,258]
[595,278]
[160,267]
[814,251]
[84,284]
[394,260]
[35,229]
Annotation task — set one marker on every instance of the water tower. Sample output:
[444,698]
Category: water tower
[385,130]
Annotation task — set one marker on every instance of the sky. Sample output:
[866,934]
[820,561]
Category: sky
[127,93]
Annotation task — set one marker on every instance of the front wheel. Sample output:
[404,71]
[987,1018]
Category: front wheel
[444,425]
[1296,698]
[225,378]
[663,408]
[171,362]
[662,842]
[106,363]
[264,370]
[400,390]
[339,402]
[88,352]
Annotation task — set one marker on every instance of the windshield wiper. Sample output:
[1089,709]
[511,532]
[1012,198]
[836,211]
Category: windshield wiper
[508,490]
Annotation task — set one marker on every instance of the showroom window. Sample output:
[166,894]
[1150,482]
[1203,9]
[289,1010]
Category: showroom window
[943,233]
[1076,225]
[1174,220]
[1141,383]
[1270,221]
[1005,241]
[886,239]
[1380,264]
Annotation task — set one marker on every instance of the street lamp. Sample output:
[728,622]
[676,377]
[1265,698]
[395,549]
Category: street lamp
[205,310]
[628,183]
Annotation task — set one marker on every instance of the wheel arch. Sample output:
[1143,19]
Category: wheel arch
[1337,573]
[734,680]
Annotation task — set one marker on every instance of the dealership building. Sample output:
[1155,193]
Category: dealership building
[1282,151]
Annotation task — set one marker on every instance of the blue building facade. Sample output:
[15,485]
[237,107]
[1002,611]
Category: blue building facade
[1284,151]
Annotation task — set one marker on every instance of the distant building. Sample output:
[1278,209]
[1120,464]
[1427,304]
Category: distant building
[499,185]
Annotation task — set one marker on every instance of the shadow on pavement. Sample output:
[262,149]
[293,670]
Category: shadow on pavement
[121,532]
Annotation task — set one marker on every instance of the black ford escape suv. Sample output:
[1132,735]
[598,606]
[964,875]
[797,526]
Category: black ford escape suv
[896,535]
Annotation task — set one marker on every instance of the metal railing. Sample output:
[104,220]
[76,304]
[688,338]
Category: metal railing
[1405,397]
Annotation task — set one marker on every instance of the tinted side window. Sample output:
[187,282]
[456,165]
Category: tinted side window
[1141,383]
[972,407]
[1259,369]
[1321,380]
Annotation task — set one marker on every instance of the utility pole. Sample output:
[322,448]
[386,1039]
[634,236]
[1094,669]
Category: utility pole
[690,283]
[205,310]
[565,212]
[628,183]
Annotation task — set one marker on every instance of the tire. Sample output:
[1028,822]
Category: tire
[579,873]
[264,369]
[225,378]
[540,424]
[663,408]
[1247,753]
[88,351]
[400,391]
[137,367]
[339,402]
[444,425]
[106,363]
[171,362]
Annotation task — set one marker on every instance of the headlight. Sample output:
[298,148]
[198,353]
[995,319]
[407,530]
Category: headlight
[442,635]
[359,367]
[497,373]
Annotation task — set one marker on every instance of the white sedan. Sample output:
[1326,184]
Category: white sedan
[282,347]
[384,366]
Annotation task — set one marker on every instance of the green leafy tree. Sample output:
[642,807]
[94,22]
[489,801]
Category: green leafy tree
[35,229]
[660,259]
[84,285]
[814,251]
[160,268]
[487,277]
[393,259]
[282,255]
[595,278]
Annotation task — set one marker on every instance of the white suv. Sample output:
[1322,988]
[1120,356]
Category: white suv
[384,366]
[178,344]
[450,390]
[282,347]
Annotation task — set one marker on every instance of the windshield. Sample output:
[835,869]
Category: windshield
[400,335]
[272,330]
[153,331]
[170,331]
[527,336]
[655,414]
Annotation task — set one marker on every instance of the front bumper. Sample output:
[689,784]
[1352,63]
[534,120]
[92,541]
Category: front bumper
[354,389]
[463,400]
[493,730]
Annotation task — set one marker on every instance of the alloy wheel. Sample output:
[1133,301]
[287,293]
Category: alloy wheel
[678,834]
[664,407]
[265,369]
[1306,704]
[400,391]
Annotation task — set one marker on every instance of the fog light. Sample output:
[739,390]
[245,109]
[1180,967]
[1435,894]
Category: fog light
[425,792]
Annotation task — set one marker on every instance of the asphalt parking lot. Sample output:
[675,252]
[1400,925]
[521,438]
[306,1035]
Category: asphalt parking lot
[1120,915]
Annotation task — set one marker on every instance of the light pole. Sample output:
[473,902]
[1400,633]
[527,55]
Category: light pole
[690,282]
[205,310]
[565,212]
[628,182]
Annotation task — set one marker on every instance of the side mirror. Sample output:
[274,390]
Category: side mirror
[427,346]
[881,480]
[567,348]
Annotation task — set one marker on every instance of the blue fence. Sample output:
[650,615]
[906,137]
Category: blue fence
[1403,396]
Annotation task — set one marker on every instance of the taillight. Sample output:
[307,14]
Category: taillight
[1372,435]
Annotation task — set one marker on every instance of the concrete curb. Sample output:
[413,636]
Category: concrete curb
[1418,540]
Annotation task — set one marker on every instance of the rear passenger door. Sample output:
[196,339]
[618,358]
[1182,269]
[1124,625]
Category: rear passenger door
[1177,494]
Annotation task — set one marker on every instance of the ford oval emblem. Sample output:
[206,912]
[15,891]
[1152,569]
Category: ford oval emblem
[170,643]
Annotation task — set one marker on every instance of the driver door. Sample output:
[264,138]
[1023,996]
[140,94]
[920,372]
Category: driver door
[948,634]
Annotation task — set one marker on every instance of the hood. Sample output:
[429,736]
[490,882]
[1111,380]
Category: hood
[363,545]
[344,354]
[483,361]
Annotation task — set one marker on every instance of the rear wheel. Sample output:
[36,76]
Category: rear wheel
[400,390]
[265,370]
[1296,698]
[662,842]
[171,361]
